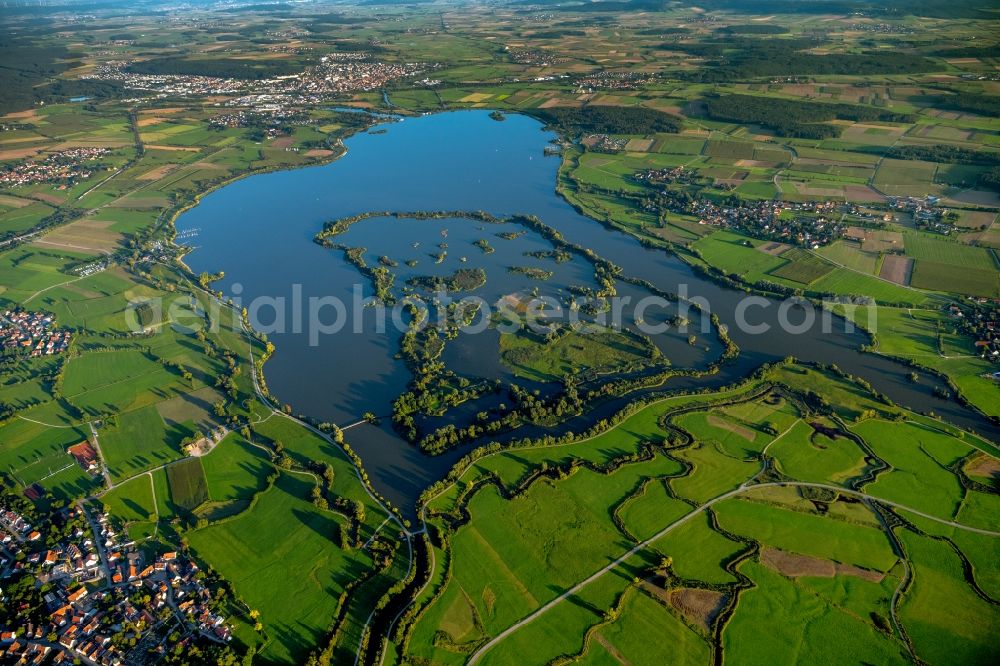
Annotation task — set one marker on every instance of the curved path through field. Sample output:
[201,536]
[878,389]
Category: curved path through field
[477,655]
[266,401]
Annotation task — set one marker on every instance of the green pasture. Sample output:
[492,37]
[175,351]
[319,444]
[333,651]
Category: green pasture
[283,560]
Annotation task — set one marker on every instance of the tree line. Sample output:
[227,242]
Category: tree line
[227,68]
[607,120]
[794,118]
[945,154]
[986,105]
[735,59]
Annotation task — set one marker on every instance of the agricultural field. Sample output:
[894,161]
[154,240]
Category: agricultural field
[929,338]
[34,452]
[824,151]
[803,267]
[604,352]
[295,581]
[688,560]
[188,485]
[234,471]
[924,247]
[851,256]
[739,255]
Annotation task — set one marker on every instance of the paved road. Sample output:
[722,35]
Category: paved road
[101,458]
[98,543]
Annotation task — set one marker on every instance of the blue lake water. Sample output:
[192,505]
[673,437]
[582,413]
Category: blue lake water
[260,231]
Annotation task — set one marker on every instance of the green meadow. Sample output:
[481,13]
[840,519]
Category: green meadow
[543,519]
[283,560]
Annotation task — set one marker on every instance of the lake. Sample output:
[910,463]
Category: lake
[260,230]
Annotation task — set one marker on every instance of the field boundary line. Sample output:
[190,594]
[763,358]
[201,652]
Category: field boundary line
[614,427]
[474,658]
[54,286]
[47,425]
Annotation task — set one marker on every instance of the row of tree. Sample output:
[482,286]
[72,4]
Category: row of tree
[737,59]
[794,118]
[607,120]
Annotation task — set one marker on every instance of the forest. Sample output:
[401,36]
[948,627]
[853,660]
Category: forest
[735,59]
[228,68]
[756,29]
[945,154]
[884,8]
[25,66]
[793,118]
[607,120]
[985,105]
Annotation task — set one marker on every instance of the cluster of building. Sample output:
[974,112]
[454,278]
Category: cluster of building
[32,332]
[602,143]
[15,528]
[808,224]
[287,34]
[259,118]
[52,559]
[63,562]
[994,76]
[316,84]
[811,223]
[86,457]
[101,602]
[613,81]
[176,84]
[881,28]
[92,268]
[665,176]
[157,251]
[346,56]
[336,76]
[532,57]
[981,319]
[925,212]
[65,167]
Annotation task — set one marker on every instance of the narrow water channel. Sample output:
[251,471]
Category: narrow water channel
[260,230]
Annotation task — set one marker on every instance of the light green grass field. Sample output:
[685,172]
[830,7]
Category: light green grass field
[234,469]
[132,501]
[605,351]
[628,637]
[798,532]
[807,455]
[283,560]
[946,621]
[141,440]
[698,551]
[919,457]
[802,626]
